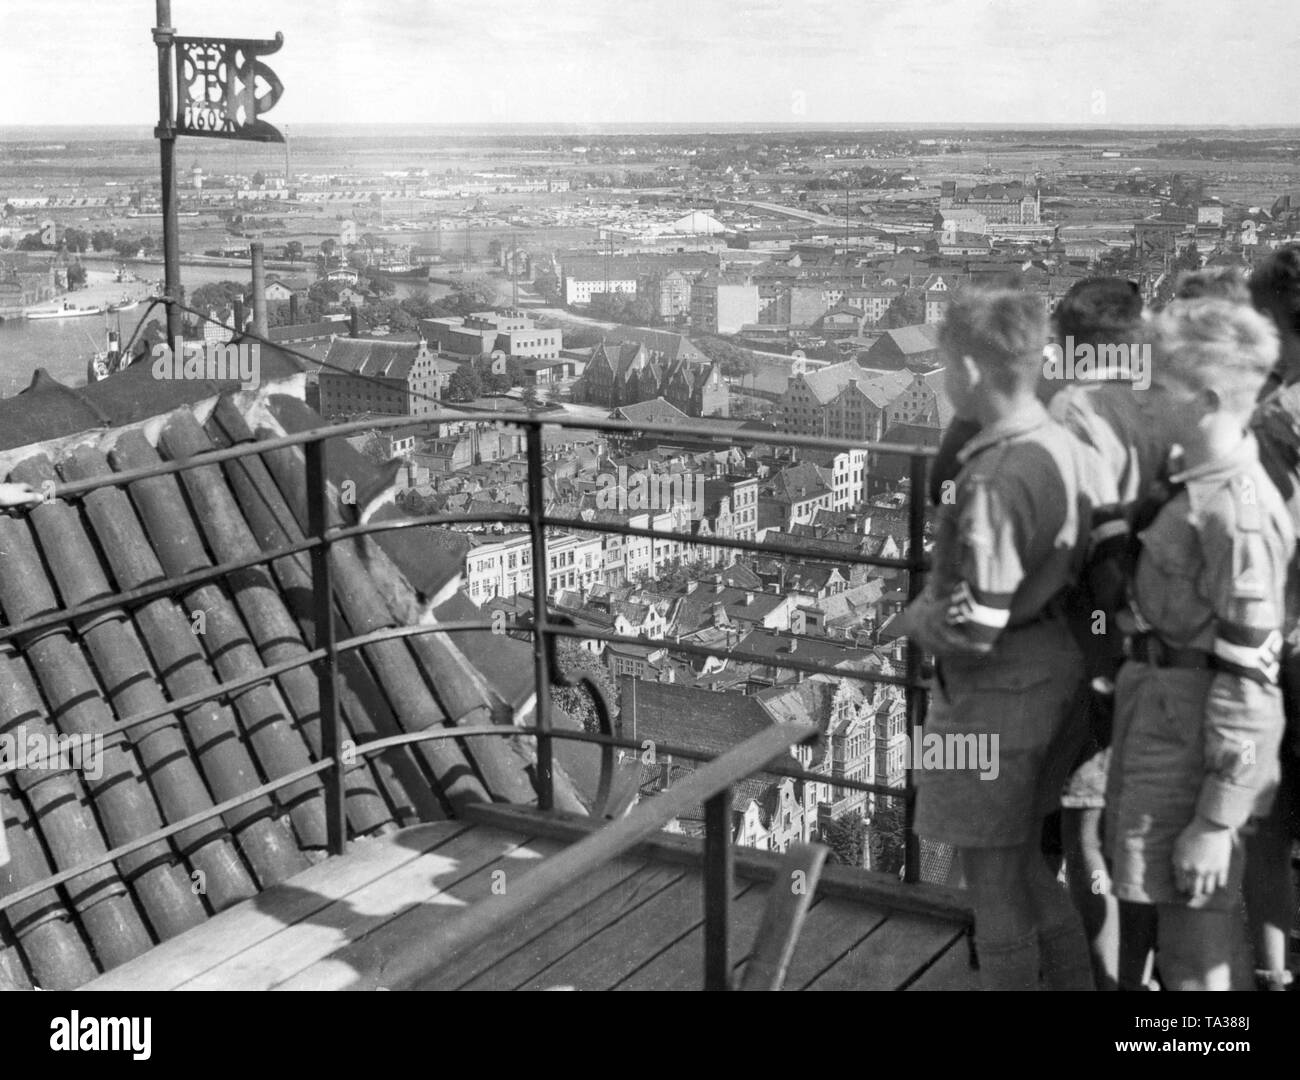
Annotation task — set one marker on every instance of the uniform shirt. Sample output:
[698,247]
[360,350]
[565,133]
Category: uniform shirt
[1105,415]
[1212,576]
[1013,538]
[1276,425]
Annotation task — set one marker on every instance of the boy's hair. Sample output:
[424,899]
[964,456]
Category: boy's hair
[1275,287]
[1100,310]
[1220,282]
[1002,330]
[1213,343]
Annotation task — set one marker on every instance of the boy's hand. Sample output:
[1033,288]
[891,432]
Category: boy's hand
[1202,855]
[12,495]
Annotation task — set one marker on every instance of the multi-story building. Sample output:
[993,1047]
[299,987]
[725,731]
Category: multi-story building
[586,276]
[915,347]
[513,332]
[669,293]
[399,378]
[732,504]
[923,403]
[723,303]
[1000,204]
[840,401]
[872,302]
[573,562]
[630,371]
[498,567]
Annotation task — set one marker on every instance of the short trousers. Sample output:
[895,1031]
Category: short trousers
[1154,783]
[1026,711]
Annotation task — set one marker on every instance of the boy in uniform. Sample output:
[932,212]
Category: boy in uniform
[1198,709]
[1008,549]
[1270,885]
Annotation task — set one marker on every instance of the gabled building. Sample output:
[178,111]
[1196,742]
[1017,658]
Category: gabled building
[840,401]
[361,375]
[629,371]
[915,347]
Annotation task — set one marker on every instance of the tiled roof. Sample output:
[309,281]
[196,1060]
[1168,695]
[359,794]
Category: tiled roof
[921,338]
[701,719]
[124,663]
[674,347]
[361,356]
[657,411]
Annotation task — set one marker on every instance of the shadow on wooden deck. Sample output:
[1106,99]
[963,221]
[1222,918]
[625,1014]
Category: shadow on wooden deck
[635,923]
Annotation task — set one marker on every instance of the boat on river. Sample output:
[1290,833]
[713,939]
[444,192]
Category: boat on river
[65,312]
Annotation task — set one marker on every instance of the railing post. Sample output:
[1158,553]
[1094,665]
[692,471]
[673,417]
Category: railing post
[719,873]
[541,663]
[326,670]
[915,696]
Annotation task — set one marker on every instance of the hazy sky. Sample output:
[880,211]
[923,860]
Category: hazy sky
[607,61]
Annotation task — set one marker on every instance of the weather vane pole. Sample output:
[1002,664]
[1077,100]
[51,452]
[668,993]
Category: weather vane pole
[222,88]
[165,133]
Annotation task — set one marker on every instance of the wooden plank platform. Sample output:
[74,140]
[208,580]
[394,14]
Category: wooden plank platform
[634,924]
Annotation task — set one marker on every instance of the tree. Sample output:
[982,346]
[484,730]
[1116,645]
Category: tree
[575,662]
[531,399]
[734,361]
[217,295]
[75,240]
[127,246]
[847,839]
[885,837]
[259,179]
[6,242]
[31,242]
[76,276]
[327,249]
[547,286]
[324,292]
[1190,259]
[494,250]
[908,309]
[293,250]
[381,284]
[464,384]
[148,245]
[101,240]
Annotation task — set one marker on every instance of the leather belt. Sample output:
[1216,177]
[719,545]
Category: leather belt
[1147,648]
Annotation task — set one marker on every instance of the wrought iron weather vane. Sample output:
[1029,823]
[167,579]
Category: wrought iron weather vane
[222,90]
[218,83]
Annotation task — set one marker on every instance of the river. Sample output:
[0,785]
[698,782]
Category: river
[63,346]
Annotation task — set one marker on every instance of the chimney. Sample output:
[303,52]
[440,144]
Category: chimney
[749,599]
[717,583]
[899,651]
[259,287]
[240,317]
[354,323]
[794,645]
[293,309]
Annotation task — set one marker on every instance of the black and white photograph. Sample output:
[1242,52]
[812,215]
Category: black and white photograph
[664,496]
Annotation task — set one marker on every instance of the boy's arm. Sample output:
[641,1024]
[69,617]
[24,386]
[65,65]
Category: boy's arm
[1243,712]
[967,618]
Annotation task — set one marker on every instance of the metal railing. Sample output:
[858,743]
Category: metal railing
[545,629]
